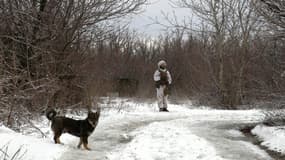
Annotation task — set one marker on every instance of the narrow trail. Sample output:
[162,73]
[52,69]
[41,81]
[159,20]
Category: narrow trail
[218,129]
[111,135]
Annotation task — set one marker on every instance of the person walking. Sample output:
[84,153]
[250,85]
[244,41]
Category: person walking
[163,81]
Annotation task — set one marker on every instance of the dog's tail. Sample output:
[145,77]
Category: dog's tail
[50,113]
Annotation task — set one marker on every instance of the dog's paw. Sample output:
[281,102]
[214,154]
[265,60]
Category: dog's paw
[88,149]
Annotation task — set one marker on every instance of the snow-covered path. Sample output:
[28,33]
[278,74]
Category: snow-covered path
[111,135]
[182,134]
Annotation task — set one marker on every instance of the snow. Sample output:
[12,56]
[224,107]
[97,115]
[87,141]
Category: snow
[26,147]
[254,149]
[159,141]
[235,133]
[272,137]
[130,130]
[126,106]
[4,129]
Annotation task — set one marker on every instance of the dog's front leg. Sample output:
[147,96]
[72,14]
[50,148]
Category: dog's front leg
[80,143]
[57,134]
[57,140]
[85,143]
[86,147]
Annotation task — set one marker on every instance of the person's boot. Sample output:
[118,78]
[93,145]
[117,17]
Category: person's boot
[160,109]
[165,110]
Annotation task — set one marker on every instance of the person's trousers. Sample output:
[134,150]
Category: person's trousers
[161,97]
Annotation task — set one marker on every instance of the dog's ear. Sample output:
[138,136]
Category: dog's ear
[90,113]
[98,110]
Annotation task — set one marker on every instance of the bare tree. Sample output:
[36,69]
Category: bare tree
[44,43]
[274,12]
[229,24]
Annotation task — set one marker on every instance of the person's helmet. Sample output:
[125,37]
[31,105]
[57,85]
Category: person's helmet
[161,64]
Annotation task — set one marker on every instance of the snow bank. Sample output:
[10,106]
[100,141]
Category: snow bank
[235,133]
[272,137]
[27,147]
[165,140]
[4,129]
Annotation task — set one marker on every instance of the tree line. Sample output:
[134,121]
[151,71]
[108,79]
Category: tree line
[60,52]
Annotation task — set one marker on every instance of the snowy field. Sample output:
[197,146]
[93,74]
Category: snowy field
[137,131]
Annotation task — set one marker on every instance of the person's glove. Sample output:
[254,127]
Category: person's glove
[157,84]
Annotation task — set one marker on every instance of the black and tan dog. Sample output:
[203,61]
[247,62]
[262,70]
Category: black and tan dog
[80,128]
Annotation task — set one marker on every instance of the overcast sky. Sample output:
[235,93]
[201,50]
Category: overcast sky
[142,21]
